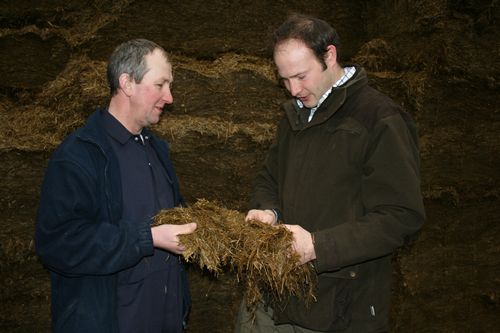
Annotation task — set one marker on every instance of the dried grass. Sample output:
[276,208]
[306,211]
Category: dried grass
[58,109]
[227,63]
[376,56]
[258,253]
[64,104]
[178,127]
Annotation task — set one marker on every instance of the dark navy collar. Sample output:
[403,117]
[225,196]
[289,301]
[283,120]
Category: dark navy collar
[115,129]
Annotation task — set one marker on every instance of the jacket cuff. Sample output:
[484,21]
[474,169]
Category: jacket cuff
[324,247]
[277,214]
[145,245]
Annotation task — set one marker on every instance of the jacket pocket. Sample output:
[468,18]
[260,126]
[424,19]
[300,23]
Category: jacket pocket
[346,127]
[344,142]
[331,311]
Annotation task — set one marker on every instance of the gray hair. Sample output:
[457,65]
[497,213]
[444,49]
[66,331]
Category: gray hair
[129,58]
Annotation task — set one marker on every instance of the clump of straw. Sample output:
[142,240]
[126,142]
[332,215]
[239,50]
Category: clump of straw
[258,253]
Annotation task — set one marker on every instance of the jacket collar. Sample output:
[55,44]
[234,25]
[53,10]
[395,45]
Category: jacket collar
[329,107]
[94,129]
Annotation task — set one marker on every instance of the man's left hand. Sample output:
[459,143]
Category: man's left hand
[302,243]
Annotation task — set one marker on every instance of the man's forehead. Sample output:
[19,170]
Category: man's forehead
[293,52]
[158,57]
[159,64]
[290,44]
[292,58]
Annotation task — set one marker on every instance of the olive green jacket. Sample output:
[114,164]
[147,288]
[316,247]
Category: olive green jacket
[350,177]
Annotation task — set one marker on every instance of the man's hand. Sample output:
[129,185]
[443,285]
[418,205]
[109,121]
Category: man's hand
[165,236]
[266,216]
[302,243]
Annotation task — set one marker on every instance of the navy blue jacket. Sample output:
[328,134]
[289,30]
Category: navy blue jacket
[80,234]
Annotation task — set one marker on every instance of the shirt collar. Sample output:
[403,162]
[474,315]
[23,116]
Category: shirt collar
[348,73]
[115,129]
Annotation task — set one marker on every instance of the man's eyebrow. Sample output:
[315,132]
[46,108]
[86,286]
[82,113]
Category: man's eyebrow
[292,76]
[165,80]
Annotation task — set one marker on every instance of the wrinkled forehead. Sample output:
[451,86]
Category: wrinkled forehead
[157,56]
[159,64]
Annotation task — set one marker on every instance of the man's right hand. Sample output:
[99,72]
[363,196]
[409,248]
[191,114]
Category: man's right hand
[266,216]
[165,236]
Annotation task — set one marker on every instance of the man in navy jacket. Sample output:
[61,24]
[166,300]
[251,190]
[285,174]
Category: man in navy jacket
[110,270]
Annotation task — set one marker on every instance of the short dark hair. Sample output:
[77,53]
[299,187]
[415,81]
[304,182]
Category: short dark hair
[129,57]
[315,33]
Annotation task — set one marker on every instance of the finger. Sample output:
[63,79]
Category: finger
[250,216]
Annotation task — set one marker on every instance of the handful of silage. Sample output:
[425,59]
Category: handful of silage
[258,253]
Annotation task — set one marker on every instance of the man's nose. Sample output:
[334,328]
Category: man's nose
[294,87]
[167,96]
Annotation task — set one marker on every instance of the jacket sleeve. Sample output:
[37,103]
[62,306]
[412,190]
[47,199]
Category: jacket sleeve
[390,196]
[74,235]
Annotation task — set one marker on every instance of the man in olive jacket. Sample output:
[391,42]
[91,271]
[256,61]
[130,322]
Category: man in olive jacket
[343,174]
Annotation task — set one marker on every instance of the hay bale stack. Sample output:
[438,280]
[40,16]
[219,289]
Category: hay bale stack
[258,253]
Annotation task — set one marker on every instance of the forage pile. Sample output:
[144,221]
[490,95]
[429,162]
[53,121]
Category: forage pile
[258,253]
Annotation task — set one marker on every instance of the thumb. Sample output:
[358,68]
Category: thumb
[187,228]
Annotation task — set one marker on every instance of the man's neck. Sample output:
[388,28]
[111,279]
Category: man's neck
[338,72]
[121,111]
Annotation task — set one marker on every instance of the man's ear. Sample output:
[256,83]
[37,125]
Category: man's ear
[331,55]
[126,83]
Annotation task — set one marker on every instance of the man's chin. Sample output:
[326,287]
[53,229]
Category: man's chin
[310,105]
[154,120]
[309,102]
